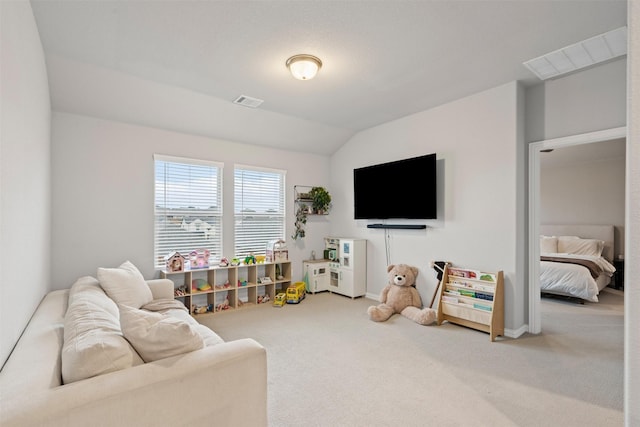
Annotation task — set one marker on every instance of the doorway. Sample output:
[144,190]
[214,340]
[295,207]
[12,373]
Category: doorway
[535,148]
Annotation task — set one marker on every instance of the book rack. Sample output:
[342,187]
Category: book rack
[473,299]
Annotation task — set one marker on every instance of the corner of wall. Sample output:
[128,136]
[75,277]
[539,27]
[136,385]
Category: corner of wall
[25,172]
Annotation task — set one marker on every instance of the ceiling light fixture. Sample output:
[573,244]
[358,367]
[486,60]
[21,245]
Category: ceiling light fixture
[580,55]
[304,67]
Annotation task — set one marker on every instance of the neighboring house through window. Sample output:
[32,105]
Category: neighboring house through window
[188,207]
[258,208]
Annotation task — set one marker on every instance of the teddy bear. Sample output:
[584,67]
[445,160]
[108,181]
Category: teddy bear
[401,296]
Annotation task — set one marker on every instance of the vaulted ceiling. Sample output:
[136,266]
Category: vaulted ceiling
[179,65]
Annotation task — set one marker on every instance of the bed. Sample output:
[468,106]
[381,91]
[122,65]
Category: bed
[576,260]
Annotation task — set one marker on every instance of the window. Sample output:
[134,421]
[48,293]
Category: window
[188,207]
[259,208]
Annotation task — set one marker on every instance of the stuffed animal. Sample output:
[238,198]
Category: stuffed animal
[224,305]
[401,296]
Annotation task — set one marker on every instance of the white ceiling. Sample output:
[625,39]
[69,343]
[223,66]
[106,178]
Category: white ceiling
[179,65]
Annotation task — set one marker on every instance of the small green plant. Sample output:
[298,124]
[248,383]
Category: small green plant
[301,220]
[321,199]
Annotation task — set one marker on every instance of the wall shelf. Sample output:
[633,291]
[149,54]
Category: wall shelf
[301,197]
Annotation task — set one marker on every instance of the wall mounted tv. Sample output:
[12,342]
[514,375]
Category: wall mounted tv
[403,189]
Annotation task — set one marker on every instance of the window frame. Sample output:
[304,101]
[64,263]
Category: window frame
[239,242]
[160,248]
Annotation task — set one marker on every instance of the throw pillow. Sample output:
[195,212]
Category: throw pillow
[156,336]
[125,285]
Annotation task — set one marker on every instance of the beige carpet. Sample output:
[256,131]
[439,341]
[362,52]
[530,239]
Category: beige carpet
[329,365]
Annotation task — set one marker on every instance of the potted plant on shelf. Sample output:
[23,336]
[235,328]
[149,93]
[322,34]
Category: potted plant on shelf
[321,200]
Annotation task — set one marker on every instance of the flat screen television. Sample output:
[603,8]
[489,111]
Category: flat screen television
[403,189]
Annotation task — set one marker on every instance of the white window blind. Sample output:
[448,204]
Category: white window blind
[259,208]
[188,207]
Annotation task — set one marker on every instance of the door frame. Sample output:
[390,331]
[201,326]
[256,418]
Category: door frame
[535,322]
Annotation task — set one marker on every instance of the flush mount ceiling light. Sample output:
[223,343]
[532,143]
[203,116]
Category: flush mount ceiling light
[304,67]
[583,54]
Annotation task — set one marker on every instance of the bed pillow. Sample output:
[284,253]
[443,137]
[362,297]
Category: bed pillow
[125,285]
[590,247]
[548,244]
[157,336]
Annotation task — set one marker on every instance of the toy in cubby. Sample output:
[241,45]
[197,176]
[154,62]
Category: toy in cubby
[224,286]
[200,285]
[201,309]
[224,305]
[180,291]
[263,298]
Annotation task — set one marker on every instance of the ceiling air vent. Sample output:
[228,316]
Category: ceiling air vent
[248,101]
[580,55]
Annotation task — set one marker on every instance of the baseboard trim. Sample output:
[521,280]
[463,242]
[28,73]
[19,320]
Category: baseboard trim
[372,296]
[516,333]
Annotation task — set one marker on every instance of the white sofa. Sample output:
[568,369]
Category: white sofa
[222,383]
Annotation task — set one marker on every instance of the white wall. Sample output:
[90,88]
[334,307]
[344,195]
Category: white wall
[103,192]
[585,193]
[25,224]
[476,141]
[632,249]
[587,101]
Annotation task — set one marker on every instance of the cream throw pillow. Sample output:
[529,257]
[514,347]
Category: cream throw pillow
[93,342]
[156,336]
[209,337]
[125,285]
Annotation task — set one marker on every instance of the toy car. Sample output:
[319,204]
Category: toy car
[279,300]
[296,293]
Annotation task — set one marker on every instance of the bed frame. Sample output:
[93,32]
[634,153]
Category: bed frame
[600,232]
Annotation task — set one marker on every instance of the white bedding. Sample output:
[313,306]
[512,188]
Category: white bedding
[572,279]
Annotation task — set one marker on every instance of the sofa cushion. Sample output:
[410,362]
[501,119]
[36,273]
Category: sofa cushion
[93,341]
[125,285]
[157,336]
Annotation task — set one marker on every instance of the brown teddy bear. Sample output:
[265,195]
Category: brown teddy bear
[401,296]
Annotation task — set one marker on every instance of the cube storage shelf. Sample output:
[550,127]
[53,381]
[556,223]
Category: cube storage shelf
[473,299]
[241,286]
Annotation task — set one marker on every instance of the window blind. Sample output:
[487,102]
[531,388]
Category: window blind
[259,208]
[188,207]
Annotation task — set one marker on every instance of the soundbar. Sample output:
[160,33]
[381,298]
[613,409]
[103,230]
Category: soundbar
[399,226]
